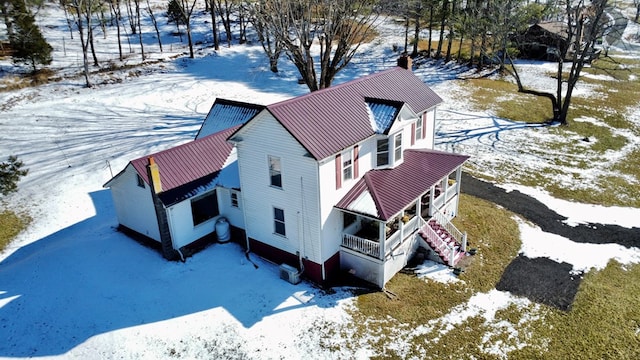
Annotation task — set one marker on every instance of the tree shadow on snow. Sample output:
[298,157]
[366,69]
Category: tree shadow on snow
[489,134]
[89,279]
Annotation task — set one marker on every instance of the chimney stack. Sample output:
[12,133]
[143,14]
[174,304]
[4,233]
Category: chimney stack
[404,61]
[154,175]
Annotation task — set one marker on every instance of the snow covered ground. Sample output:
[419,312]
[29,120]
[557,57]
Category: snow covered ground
[73,287]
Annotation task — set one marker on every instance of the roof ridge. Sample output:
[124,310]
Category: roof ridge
[333,88]
[189,143]
[373,192]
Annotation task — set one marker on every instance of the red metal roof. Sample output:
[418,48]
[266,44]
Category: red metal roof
[188,162]
[330,120]
[394,189]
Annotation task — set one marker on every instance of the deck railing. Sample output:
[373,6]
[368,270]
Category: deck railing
[443,220]
[362,245]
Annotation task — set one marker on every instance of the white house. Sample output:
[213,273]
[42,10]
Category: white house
[343,179]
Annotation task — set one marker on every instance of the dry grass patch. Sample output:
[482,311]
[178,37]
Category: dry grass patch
[11,224]
[420,301]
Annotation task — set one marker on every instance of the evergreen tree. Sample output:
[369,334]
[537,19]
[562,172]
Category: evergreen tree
[26,40]
[10,173]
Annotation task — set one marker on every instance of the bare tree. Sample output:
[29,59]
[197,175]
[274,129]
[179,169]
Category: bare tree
[224,8]
[155,24]
[82,12]
[584,26]
[181,11]
[117,15]
[138,23]
[271,46]
[214,24]
[338,27]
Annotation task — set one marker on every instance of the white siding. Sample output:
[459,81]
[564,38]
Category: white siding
[134,205]
[233,214]
[181,225]
[262,137]
[428,141]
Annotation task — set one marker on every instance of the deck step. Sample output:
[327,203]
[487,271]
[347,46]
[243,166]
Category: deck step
[444,239]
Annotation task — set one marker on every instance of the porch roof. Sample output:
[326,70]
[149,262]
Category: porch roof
[382,193]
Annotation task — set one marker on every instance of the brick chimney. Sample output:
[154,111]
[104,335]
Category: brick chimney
[154,175]
[404,61]
[153,171]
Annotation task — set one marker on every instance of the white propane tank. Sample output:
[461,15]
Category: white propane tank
[222,230]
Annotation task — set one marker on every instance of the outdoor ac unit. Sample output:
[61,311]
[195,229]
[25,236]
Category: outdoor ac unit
[289,273]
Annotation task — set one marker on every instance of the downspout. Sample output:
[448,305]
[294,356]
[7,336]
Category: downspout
[170,221]
[301,228]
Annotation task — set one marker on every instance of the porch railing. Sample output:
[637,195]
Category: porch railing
[444,221]
[365,246]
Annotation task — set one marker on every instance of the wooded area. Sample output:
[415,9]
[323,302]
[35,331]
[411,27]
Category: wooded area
[479,33]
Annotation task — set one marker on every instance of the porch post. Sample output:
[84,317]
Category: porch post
[464,241]
[445,187]
[381,235]
[452,253]
[458,180]
[431,200]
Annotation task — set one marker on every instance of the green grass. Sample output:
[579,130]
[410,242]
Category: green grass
[604,322]
[420,301]
[11,224]
[610,102]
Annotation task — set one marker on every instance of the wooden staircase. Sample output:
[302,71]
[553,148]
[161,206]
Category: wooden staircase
[445,245]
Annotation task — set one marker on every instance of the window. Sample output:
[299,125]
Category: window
[140,180]
[275,171]
[347,166]
[397,147]
[278,222]
[204,208]
[382,157]
[234,199]
[419,125]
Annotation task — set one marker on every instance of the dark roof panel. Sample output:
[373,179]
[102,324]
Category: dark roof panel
[383,112]
[225,114]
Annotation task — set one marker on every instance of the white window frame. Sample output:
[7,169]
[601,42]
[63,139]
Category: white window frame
[275,171]
[235,198]
[347,165]
[277,221]
[397,147]
[419,125]
[380,151]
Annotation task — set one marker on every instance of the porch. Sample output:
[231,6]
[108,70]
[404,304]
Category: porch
[389,213]
[382,240]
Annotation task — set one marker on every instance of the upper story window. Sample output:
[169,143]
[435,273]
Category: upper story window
[275,172]
[382,153]
[140,180]
[419,126]
[397,147]
[347,166]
